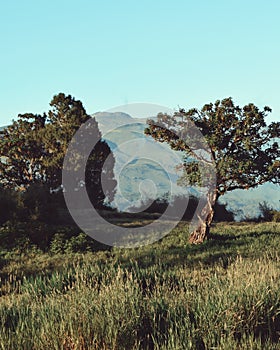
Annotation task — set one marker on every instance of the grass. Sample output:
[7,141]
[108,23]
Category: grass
[223,294]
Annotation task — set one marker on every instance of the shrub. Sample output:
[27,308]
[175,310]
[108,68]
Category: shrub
[266,211]
[80,243]
[57,244]
[276,216]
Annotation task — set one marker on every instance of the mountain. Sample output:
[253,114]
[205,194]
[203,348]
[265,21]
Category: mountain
[146,168]
[108,121]
[142,110]
[247,201]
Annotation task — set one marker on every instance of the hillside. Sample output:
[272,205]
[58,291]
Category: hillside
[223,294]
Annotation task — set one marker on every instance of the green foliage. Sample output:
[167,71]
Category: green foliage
[22,151]
[276,216]
[244,148]
[266,211]
[57,244]
[32,150]
[79,243]
[170,295]
[62,243]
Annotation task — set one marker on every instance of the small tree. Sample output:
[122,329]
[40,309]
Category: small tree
[266,211]
[242,146]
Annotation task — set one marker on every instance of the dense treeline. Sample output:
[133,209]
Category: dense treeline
[33,148]
[32,152]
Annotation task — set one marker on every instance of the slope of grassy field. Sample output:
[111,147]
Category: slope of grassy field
[223,294]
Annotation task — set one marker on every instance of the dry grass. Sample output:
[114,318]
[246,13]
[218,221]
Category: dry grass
[224,294]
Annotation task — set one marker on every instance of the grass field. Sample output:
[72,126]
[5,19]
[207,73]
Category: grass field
[223,294]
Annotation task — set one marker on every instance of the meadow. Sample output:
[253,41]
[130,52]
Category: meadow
[222,294]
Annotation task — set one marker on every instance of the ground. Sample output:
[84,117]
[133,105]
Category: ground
[223,294]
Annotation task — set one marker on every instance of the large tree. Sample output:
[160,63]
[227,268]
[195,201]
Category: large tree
[242,146]
[32,150]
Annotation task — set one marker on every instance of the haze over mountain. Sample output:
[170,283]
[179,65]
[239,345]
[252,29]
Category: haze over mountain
[146,168]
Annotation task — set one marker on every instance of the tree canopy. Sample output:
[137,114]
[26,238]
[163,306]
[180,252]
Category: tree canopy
[32,149]
[243,147]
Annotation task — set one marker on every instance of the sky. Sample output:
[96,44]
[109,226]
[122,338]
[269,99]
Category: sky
[176,53]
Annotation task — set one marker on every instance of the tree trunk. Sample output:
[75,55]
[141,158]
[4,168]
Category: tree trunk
[205,217]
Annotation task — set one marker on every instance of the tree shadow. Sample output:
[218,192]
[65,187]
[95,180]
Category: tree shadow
[221,248]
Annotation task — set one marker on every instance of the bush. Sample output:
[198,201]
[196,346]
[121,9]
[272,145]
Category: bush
[276,216]
[61,244]
[57,244]
[78,243]
[266,211]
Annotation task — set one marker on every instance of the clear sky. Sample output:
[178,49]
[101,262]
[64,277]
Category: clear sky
[107,53]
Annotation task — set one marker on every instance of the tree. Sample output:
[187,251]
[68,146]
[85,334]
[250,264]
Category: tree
[242,146]
[64,119]
[32,150]
[266,211]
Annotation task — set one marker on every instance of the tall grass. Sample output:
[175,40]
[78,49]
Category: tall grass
[224,294]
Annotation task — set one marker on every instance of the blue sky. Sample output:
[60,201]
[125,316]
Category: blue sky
[108,53]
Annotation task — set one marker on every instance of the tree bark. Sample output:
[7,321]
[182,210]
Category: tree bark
[205,217]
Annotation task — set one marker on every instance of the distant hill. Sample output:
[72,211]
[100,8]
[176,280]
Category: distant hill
[108,121]
[3,127]
[247,201]
[140,161]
